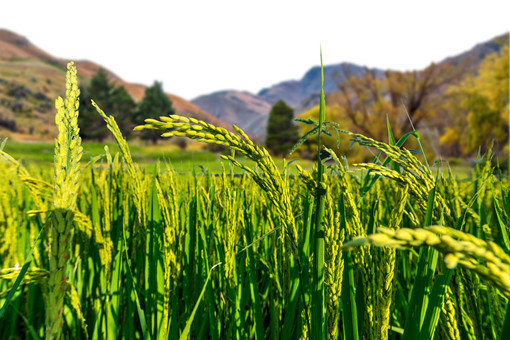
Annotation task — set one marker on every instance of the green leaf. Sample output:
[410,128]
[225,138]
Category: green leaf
[20,276]
[391,141]
[503,239]
[322,109]
[505,334]
[318,310]
[350,314]
[141,315]
[308,121]
[436,301]
[2,146]
[303,139]
[187,328]
[427,263]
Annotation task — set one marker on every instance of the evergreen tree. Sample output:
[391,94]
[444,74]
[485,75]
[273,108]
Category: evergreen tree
[154,104]
[115,101]
[90,122]
[123,108]
[282,133]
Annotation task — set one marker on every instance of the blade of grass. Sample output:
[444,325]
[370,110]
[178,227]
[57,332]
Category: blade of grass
[391,141]
[141,315]
[187,328]
[20,276]
[252,280]
[503,239]
[505,334]
[318,312]
[348,296]
[291,310]
[350,314]
[436,301]
[417,135]
[427,263]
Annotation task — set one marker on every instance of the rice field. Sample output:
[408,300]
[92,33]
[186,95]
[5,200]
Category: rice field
[394,251]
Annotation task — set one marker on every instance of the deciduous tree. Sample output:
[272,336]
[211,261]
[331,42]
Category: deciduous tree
[403,96]
[475,112]
[486,98]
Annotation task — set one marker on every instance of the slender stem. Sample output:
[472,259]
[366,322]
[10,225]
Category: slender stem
[318,312]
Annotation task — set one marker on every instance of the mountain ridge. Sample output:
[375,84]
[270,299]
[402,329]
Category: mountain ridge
[303,94]
[36,78]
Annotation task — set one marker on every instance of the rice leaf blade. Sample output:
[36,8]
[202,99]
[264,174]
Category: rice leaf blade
[427,262]
[436,301]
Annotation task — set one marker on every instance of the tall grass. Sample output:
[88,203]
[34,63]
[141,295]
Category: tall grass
[122,251]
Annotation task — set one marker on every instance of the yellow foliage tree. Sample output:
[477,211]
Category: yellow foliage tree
[486,99]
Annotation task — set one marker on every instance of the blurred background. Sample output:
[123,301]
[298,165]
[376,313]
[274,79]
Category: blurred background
[439,68]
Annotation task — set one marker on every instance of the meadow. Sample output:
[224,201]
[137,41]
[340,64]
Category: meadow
[194,158]
[390,250]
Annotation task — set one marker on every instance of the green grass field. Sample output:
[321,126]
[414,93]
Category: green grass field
[42,153]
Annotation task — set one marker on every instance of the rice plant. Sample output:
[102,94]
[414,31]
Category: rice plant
[381,250]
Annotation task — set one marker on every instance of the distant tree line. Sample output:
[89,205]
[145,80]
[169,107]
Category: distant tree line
[116,101]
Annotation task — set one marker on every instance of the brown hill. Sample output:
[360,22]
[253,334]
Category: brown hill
[243,109]
[30,79]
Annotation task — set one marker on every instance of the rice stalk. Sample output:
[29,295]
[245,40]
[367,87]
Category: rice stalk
[33,275]
[362,256]
[386,258]
[487,259]
[135,183]
[450,329]
[333,265]
[270,180]
[68,153]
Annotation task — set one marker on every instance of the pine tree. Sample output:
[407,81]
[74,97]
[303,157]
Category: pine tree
[154,104]
[115,101]
[91,124]
[282,133]
[123,108]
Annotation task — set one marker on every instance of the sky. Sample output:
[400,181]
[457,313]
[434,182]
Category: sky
[199,47]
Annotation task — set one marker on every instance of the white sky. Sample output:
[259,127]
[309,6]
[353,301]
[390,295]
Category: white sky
[198,47]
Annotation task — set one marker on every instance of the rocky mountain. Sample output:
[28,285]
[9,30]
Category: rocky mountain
[303,94]
[30,80]
[243,109]
[474,56]
[250,111]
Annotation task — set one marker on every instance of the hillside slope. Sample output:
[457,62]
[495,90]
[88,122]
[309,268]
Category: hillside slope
[30,80]
[240,108]
[250,111]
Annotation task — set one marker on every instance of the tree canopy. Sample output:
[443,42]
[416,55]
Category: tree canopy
[91,124]
[113,100]
[483,98]
[366,101]
[154,104]
[282,133]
